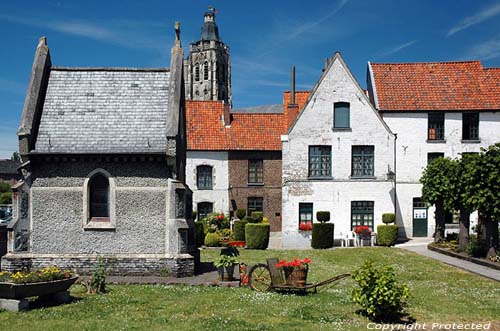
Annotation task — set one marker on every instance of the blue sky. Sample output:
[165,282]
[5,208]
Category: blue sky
[265,37]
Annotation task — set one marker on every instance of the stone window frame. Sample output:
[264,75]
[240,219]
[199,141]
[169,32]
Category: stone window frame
[206,71]
[197,72]
[197,176]
[88,223]
[204,203]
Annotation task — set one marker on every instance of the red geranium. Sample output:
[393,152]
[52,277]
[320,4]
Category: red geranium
[295,263]
[305,226]
[363,230]
[220,217]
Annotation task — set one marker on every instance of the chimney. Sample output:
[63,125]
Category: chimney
[227,113]
[292,109]
[327,63]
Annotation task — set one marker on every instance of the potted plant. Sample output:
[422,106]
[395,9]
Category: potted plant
[295,271]
[225,266]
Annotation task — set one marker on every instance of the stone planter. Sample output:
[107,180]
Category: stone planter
[20,291]
[226,273]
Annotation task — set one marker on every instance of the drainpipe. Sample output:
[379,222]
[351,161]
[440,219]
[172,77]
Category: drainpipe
[395,177]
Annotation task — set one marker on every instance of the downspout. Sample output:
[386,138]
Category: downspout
[395,177]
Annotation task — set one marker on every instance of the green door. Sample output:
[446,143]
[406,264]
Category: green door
[419,218]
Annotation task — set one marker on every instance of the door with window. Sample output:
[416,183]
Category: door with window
[419,218]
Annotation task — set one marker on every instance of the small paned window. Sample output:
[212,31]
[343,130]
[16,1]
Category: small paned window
[255,204]
[99,197]
[436,126]
[255,171]
[341,115]
[362,161]
[432,156]
[197,72]
[204,177]
[470,126]
[305,216]
[205,71]
[204,208]
[320,161]
[361,214]
[418,203]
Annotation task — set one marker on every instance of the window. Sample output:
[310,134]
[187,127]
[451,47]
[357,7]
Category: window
[436,126]
[362,161]
[255,204]
[255,171]
[432,156]
[305,216]
[470,126]
[99,198]
[204,177]
[418,203]
[205,71]
[341,115]
[197,72]
[320,161]
[204,208]
[362,214]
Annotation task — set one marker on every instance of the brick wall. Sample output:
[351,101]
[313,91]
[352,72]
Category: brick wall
[239,190]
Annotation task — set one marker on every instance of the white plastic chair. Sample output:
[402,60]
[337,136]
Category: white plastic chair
[350,236]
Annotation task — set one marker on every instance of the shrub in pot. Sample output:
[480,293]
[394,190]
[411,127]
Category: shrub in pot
[225,266]
[388,218]
[241,213]
[257,235]
[322,232]
[387,235]
[239,230]
[212,239]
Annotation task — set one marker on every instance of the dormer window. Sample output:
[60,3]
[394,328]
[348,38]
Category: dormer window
[341,115]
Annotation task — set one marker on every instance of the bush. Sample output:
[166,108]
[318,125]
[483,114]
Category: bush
[257,235]
[322,235]
[249,219]
[212,239]
[5,198]
[387,235]
[476,247]
[239,230]
[241,213]
[323,216]
[388,218]
[257,216]
[200,233]
[195,215]
[378,293]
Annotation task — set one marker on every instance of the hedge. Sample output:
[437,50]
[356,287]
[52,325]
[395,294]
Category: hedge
[212,239]
[200,234]
[388,218]
[387,235]
[257,235]
[239,230]
[322,235]
[257,217]
[240,213]
[323,216]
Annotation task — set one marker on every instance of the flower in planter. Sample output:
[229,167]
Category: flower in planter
[363,231]
[305,226]
[295,263]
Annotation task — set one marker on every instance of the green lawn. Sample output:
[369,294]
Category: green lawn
[440,294]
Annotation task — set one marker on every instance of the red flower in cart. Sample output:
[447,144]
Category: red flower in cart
[294,263]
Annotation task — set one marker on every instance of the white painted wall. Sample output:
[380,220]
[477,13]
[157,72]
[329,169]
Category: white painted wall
[219,195]
[412,148]
[314,127]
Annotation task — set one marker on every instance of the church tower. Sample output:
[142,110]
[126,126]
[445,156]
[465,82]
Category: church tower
[207,69]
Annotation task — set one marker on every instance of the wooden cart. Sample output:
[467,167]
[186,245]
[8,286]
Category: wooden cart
[264,277]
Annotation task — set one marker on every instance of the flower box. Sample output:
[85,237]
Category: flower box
[18,291]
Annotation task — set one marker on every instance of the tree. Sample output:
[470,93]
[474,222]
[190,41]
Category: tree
[15,156]
[484,192]
[5,194]
[437,187]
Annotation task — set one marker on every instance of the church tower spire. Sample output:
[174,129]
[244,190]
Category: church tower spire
[207,69]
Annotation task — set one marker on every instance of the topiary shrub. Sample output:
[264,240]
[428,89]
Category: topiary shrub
[387,235]
[322,235]
[200,234]
[239,230]
[323,216]
[378,293]
[388,218]
[212,239]
[257,216]
[241,213]
[257,235]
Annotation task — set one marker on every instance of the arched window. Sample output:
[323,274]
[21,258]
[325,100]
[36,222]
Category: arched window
[204,208]
[204,177]
[197,72]
[99,198]
[205,71]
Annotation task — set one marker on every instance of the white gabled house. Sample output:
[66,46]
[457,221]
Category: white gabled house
[338,156]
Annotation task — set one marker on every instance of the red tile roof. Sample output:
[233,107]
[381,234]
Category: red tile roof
[436,86]
[248,131]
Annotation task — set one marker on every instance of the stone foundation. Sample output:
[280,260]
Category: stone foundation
[181,265]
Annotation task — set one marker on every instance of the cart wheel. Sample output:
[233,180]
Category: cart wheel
[259,277]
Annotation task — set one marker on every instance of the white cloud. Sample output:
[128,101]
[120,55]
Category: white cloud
[477,18]
[487,50]
[397,48]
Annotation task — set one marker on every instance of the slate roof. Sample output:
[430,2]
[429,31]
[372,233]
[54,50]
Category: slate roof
[248,130]
[9,167]
[446,86]
[104,110]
